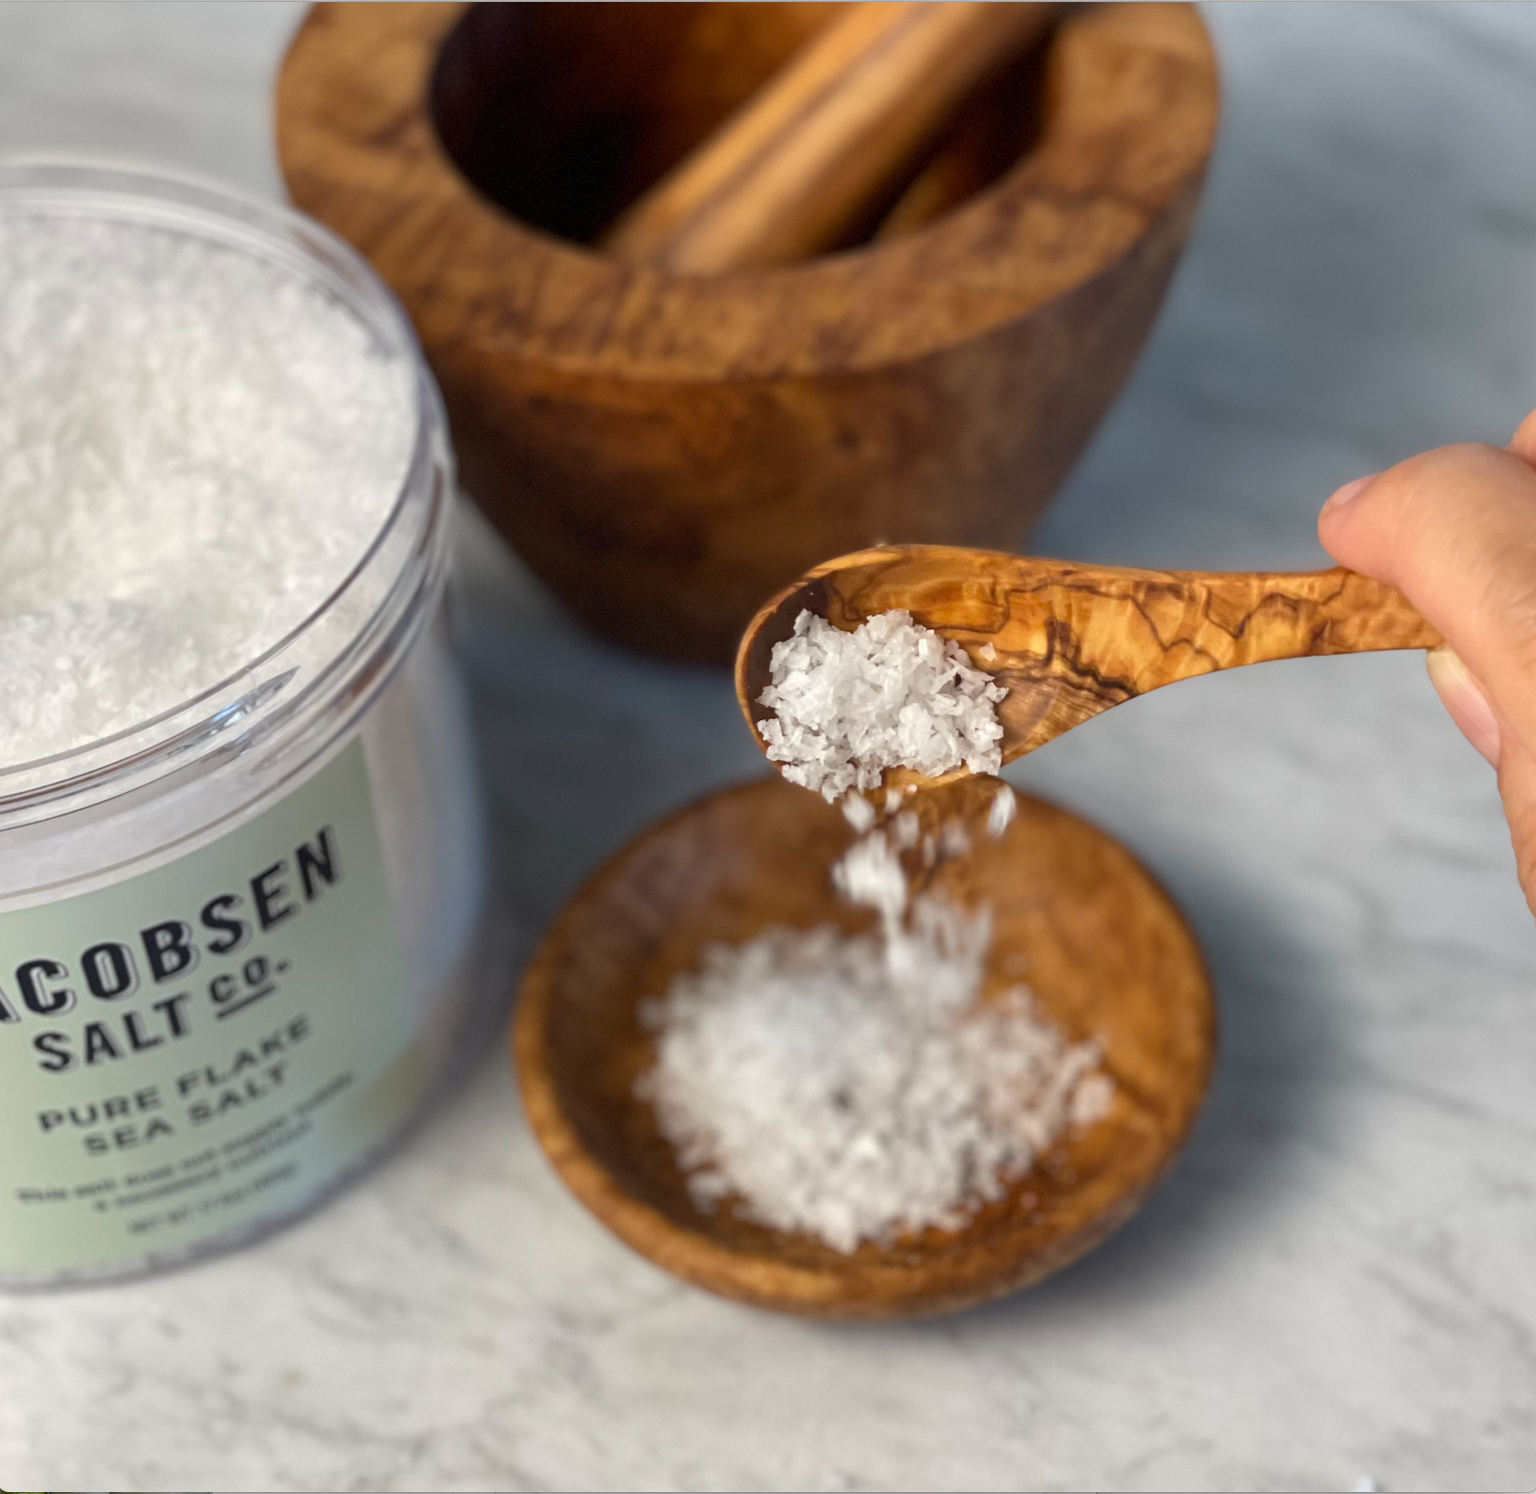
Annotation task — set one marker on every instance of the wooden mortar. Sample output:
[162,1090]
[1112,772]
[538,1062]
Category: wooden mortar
[667,450]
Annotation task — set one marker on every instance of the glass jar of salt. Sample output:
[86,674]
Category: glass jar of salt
[242,895]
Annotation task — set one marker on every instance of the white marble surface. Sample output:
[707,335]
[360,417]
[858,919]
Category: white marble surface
[1339,1282]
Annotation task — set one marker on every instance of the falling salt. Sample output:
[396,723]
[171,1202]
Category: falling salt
[890,694]
[859,812]
[857,1087]
[953,840]
[1004,807]
[196,448]
[870,874]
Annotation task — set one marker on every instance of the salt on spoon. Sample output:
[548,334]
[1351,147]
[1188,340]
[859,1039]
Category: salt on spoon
[890,694]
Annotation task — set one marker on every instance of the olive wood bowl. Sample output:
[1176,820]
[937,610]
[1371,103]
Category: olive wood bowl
[666,450]
[1105,951]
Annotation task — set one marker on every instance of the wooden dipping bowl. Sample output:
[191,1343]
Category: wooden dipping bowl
[667,450]
[1105,951]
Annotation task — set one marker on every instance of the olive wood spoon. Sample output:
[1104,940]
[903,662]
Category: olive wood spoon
[1070,640]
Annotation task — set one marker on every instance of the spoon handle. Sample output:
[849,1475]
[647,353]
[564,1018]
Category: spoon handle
[1074,640]
[1135,629]
[1250,617]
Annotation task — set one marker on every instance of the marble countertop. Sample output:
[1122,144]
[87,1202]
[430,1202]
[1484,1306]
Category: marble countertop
[1337,1287]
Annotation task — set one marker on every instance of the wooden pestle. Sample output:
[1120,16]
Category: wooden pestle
[804,161]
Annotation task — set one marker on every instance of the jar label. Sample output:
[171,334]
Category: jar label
[206,1045]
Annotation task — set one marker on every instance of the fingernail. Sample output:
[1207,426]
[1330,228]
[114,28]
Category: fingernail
[1350,491]
[1463,697]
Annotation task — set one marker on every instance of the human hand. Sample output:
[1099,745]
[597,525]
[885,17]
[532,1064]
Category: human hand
[1455,531]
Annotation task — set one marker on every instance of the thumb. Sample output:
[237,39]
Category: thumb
[1465,701]
[1517,789]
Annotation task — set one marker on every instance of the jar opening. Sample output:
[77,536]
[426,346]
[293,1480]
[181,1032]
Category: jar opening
[401,533]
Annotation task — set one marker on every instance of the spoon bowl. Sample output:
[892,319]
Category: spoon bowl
[1070,640]
[1106,953]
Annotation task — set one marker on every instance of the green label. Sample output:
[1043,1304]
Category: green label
[206,1045]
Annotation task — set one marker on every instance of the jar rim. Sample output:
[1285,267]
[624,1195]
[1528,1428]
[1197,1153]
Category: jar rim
[110,190]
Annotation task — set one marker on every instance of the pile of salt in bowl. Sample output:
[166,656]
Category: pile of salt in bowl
[856,1087]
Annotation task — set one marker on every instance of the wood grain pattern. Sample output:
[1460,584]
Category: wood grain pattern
[1105,951]
[1071,640]
[802,163]
[667,450]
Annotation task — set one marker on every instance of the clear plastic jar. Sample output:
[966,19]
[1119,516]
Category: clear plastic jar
[239,942]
